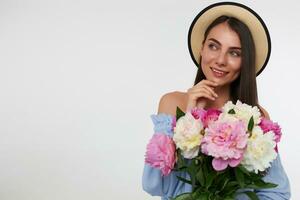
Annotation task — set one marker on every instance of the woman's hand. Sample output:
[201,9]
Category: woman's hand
[200,93]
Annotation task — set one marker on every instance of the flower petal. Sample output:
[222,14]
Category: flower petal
[234,162]
[219,164]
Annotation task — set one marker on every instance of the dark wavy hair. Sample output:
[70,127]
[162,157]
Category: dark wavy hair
[244,87]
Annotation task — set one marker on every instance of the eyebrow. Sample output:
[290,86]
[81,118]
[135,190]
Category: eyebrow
[216,41]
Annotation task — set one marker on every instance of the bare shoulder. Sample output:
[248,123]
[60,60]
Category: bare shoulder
[169,102]
[264,112]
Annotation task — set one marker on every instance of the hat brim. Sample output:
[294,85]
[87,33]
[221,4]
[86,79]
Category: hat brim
[245,14]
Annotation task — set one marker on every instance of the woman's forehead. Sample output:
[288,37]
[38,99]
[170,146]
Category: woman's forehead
[224,35]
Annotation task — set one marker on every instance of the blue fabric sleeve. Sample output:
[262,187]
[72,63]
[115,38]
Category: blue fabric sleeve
[153,182]
[277,175]
[165,186]
[163,123]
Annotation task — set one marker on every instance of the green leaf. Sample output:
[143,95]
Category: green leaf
[244,170]
[198,191]
[222,179]
[253,186]
[232,183]
[260,184]
[225,183]
[221,172]
[200,176]
[179,113]
[192,171]
[251,195]
[231,111]
[250,124]
[229,198]
[205,168]
[210,179]
[184,196]
[203,196]
[231,187]
[212,196]
[239,176]
[269,185]
[180,160]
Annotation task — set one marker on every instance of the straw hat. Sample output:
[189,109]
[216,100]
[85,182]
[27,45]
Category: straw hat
[245,14]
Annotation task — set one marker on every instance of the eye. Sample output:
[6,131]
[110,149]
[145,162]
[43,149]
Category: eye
[235,53]
[212,46]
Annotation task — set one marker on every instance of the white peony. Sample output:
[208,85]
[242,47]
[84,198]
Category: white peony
[228,106]
[226,117]
[192,153]
[243,111]
[187,136]
[260,150]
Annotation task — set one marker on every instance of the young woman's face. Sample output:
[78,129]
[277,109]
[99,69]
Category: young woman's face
[221,55]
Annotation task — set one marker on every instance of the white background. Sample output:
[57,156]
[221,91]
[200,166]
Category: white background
[80,79]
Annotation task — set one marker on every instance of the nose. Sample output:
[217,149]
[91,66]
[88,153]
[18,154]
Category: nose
[221,59]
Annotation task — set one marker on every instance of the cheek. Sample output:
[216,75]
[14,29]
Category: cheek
[206,61]
[235,73]
[235,65]
[207,57]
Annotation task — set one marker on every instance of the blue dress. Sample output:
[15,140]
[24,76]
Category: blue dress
[169,186]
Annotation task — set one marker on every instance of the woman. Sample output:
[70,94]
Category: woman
[229,55]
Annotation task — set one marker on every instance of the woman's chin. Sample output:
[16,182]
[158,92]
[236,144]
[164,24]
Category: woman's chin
[220,81]
[216,80]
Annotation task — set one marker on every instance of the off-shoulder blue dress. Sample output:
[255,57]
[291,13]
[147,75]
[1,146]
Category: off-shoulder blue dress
[169,186]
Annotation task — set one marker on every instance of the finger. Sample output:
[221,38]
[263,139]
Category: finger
[208,96]
[202,92]
[206,82]
[211,90]
[209,82]
[207,89]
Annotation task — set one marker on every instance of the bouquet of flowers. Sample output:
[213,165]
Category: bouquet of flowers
[223,151]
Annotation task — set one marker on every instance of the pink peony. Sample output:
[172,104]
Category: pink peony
[267,125]
[206,116]
[198,113]
[226,142]
[211,115]
[161,153]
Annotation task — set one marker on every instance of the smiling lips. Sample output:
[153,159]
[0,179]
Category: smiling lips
[218,73]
